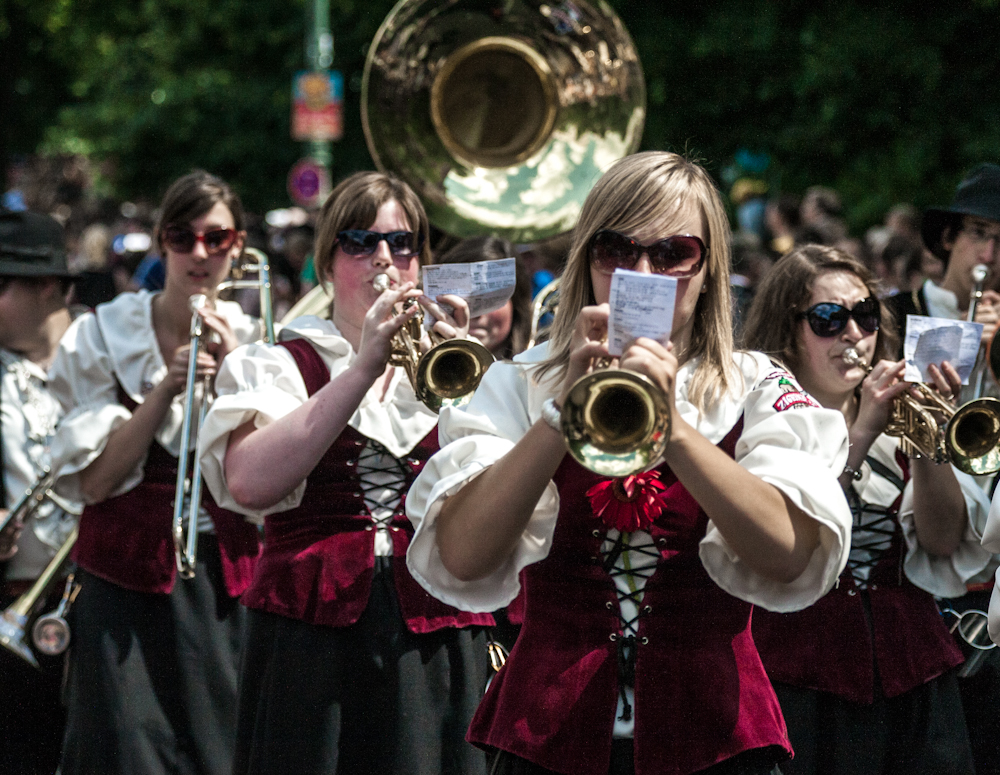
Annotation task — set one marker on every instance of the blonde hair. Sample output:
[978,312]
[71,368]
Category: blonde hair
[639,190]
[354,204]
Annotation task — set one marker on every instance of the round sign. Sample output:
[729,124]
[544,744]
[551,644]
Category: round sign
[308,182]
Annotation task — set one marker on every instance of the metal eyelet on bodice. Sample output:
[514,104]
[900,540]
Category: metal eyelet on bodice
[628,562]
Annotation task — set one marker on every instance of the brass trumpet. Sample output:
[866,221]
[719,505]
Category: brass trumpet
[616,422]
[14,620]
[186,547]
[448,373]
[970,438]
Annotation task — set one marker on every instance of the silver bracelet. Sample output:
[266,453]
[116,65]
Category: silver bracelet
[552,414]
[855,474]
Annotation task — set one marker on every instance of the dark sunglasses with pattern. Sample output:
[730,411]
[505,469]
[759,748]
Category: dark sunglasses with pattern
[680,255]
[362,242]
[828,319]
[181,239]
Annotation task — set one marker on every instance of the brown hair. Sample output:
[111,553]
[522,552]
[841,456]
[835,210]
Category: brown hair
[773,321]
[354,204]
[646,188]
[492,249]
[191,196]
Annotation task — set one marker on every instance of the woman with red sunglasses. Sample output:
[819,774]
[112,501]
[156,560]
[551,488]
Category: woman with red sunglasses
[153,663]
[349,665]
[636,655]
[866,675]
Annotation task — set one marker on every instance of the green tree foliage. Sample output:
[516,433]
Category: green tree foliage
[885,101]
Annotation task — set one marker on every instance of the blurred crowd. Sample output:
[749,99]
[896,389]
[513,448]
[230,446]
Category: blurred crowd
[111,249]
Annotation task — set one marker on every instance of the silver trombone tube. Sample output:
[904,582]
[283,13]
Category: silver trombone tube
[184,549]
[252,261]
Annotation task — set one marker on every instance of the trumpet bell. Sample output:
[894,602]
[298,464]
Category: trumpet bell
[50,634]
[616,422]
[449,373]
[973,437]
[12,636]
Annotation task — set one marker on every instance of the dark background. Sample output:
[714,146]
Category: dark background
[886,102]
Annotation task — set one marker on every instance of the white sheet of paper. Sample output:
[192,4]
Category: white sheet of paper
[486,285]
[932,340]
[641,305]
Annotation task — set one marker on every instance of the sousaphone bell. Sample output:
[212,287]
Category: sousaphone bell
[502,116]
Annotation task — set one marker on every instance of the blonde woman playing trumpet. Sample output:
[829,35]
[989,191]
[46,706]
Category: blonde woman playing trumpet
[636,655]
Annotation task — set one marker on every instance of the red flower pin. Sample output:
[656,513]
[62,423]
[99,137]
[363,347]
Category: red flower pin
[630,503]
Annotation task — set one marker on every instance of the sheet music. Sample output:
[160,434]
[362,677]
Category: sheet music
[933,340]
[485,285]
[641,305]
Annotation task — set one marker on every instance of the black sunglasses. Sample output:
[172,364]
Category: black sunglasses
[182,240]
[361,242]
[679,256]
[829,319]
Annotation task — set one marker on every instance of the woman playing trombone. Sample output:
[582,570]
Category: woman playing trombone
[865,675]
[349,665]
[636,654]
[152,679]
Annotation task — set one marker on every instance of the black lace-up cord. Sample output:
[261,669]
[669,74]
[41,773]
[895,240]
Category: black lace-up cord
[368,479]
[876,536]
[626,643]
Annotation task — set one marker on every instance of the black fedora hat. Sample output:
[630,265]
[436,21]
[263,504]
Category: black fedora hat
[31,245]
[978,194]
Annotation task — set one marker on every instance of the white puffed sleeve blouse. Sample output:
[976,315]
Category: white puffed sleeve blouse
[787,441]
[116,344]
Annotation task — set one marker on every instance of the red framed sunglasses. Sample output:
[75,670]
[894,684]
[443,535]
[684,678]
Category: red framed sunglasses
[181,239]
[680,255]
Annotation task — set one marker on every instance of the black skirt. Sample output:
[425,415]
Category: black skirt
[369,698]
[921,732]
[152,677]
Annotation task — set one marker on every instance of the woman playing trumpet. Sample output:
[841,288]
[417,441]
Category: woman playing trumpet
[865,675]
[153,665]
[349,665]
[636,655]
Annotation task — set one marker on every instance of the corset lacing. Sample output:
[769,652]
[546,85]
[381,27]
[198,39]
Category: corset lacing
[873,529]
[632,564]
[383,480]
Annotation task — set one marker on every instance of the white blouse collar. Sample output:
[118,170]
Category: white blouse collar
[400,421]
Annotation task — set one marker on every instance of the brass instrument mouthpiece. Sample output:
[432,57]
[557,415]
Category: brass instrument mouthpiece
[381,282]
[853,358]
[979,272]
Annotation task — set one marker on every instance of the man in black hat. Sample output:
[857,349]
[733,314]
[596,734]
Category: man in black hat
[963,235]
[34,282]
